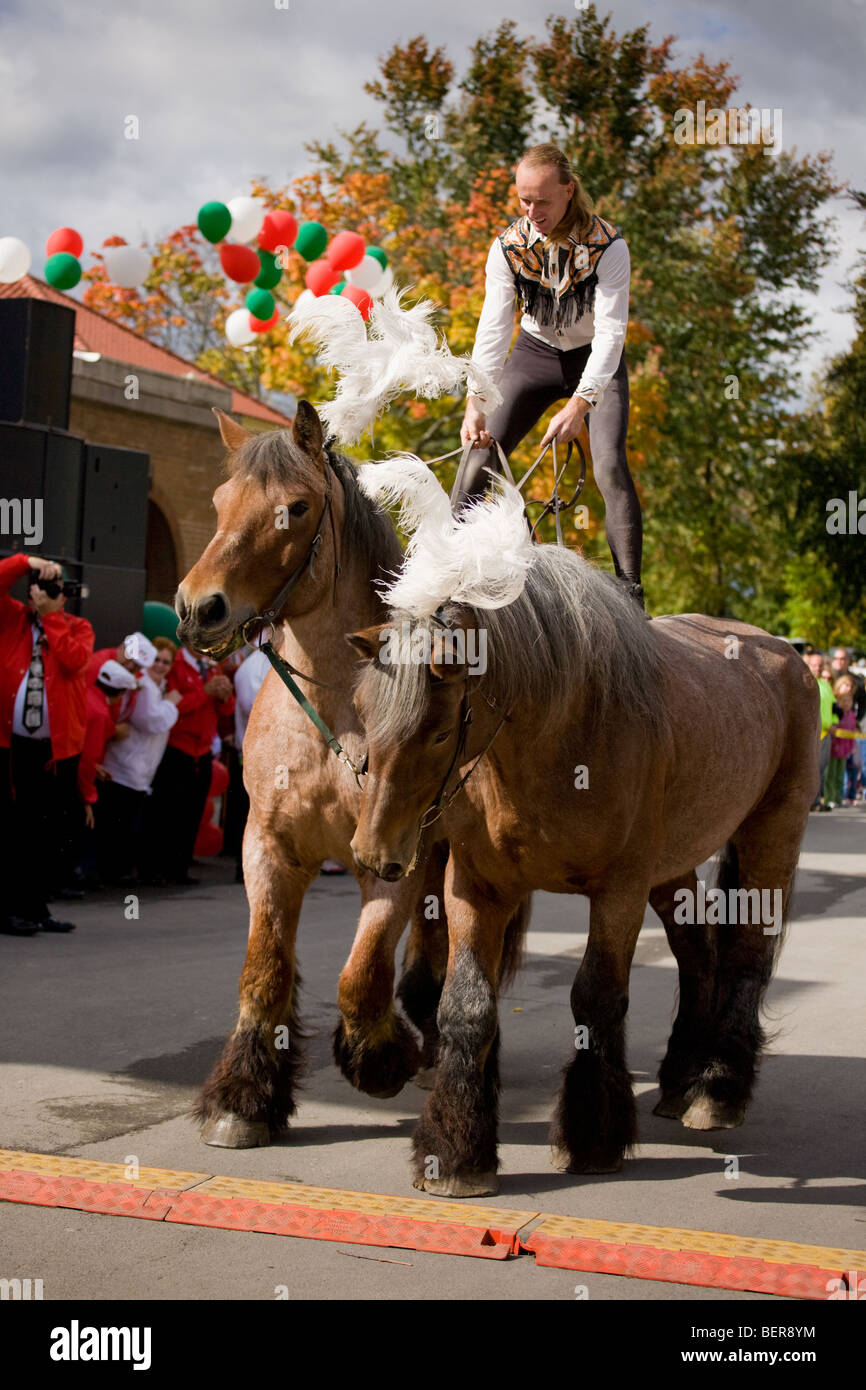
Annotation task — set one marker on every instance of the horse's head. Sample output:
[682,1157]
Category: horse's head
[269,511]
[412,701]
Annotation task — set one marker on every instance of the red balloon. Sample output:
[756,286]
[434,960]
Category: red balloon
[209,839]
[360,298]
[278,229]
[219,778]
[321,276]
[240,263]
[64,239]
[262,325]
[346,250]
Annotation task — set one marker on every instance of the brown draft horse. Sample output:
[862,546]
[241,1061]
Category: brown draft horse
[304,803]
[630,752]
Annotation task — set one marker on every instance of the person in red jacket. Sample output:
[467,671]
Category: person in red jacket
[44,653]
[182,779]
[103,700]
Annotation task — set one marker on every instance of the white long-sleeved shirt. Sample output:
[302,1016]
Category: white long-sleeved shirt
[604,325]
[248,680]
[133,761]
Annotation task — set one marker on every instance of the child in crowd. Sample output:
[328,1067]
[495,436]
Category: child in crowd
[840,748]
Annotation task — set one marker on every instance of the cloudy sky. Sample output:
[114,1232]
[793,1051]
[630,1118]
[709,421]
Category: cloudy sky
[229,89]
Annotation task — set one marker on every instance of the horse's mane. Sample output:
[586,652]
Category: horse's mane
[273,456]
[573,627]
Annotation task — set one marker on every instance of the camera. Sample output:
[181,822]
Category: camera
[70,588]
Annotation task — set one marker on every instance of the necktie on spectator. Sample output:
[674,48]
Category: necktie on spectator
[34,694]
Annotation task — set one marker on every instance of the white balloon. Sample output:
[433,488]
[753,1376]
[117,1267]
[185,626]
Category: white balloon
[384,284]
[238,329]
[248,214]
[366,274]
[127,266]
[15,259]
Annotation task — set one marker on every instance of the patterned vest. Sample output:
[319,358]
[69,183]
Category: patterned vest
[556,283]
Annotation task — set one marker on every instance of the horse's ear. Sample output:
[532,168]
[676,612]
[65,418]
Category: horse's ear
[448,661]
[307,431]
[234,436]
[368,641]
[445,670]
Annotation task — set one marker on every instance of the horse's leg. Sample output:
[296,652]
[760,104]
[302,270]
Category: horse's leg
[761,856]
[595,1119]
[250,1092]
[695,950]
[425,961]
[455,1140]
[373,1046]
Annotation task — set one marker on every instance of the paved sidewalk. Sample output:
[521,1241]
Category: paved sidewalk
[106,1034]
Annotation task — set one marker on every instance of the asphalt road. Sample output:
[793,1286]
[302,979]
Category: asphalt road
[106,1034]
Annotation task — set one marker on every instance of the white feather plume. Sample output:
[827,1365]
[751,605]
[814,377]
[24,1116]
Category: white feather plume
[479,557]
[398,351]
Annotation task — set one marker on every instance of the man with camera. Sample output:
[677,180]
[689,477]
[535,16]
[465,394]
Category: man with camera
[44,653]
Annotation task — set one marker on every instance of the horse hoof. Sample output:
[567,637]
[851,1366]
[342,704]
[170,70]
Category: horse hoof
[386,1094]
[671,1107]
[425,1078]
[225,1131]
[705,1113]
[460,1185]
[561,1160]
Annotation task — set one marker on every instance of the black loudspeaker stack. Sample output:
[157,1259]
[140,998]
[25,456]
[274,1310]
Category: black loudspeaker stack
[84,505]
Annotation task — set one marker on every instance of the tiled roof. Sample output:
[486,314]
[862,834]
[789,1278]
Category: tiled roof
[95,332]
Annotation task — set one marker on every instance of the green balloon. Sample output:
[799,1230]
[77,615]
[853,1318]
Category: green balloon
[62,271]
[270,273]
[311,240]
[338,288]
[378,255]
[159,620]
[261,304]
[214,220]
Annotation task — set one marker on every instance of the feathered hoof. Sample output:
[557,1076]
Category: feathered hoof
[381,1067]
[460,1185]
[705,1113]
[562,1161]
[225,1131]
[671,1107]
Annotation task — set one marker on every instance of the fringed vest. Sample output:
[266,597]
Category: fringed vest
[555,299]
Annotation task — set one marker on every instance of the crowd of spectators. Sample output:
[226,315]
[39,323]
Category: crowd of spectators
[106,756]
[842,689]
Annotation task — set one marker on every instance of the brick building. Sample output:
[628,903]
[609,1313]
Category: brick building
[128,392]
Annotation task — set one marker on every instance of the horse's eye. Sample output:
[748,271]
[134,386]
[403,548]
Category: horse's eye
[443,737]
[299,508]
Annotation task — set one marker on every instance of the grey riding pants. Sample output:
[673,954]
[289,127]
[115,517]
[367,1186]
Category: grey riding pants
[535,376]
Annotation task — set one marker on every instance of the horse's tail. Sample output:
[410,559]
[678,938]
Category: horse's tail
[512,947]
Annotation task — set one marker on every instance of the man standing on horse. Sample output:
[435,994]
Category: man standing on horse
[570,269]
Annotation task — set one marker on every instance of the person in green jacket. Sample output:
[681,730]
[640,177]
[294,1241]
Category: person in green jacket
[815,662]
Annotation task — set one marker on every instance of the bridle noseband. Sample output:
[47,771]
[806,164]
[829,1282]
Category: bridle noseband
[442,802]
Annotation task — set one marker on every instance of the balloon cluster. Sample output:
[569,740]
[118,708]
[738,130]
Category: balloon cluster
[127,266]
[344,266]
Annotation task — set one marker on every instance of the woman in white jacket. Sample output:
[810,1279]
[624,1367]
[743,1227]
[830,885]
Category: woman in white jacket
[570,270]
[131,766]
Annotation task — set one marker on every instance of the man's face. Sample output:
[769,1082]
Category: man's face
[543,199]
[839,661]
[815,662]
[128,663]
